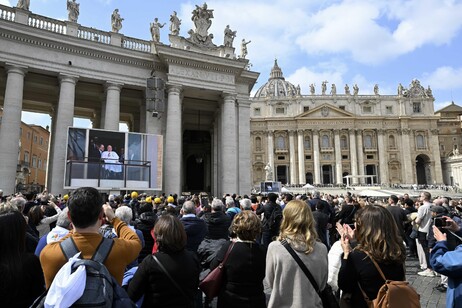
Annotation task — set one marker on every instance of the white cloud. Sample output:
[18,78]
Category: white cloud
[364,29]
[5,2]
[444,78]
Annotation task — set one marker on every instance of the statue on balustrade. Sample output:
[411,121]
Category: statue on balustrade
[347,89]
[244,51]
[324,87]
[400,89]
[23,4]
[376,89]
[116,21]
[155,29]
[333,90]
[229,37]
[312,89]
[175,23]
[269,172]
[355,89]
[73,10]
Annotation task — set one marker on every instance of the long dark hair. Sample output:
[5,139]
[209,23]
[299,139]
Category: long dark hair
[12,241]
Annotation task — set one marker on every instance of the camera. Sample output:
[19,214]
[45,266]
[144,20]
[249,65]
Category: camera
[441,222]
[155,114]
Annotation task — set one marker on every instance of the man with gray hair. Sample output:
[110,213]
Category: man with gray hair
[218,222]
[63,225]
[196,228]
[246,205]
[232,210]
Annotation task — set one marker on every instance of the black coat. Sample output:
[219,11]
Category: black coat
[244,273]
[196,229]
[145,223]
[267,210]
[158,290]
[218,225]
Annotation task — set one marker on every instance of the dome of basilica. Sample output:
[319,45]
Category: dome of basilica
[276,86]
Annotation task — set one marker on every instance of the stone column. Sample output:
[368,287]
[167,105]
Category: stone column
[10,127]
[271,152]
[243,146]
[383,161]
[353,156]
[64,118]
[301,158]
[316,161]
[173,155]
[408,163]
[338,157]
[293,167]
[228,145]
[112,110]
[360,148]
[434,146]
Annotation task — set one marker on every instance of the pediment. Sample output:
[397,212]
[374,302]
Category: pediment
[325,111]
[452,108]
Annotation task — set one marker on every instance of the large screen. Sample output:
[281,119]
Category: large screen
[113,160]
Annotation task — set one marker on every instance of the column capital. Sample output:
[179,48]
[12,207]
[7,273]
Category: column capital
[229,96]
[112,85]
[381,131]
[68,78]
[270,133]
[315,131]
[291,131]
[174,88]
[352,131]
[336,131]
[16,68]
[300,131]
[435,131]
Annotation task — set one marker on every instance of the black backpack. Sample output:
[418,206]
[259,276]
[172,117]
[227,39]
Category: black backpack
[274,221]
[101,289]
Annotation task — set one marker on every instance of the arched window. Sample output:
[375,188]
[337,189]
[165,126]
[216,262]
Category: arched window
[368,141]
[307,143]
[258,144]
[392,142]
[420,141]
[258,175]
[281,143]
[325,142]
[343,142]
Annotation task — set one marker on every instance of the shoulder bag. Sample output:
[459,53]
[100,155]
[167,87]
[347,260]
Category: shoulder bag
[327,296]
[213,282]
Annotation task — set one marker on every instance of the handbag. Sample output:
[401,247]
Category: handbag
[212,283]
[328,298]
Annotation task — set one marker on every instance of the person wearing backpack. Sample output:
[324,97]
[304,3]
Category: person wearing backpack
[379,253]
[87,213]
[271,221]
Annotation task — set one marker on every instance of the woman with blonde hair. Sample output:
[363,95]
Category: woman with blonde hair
[377,237]
[289,284]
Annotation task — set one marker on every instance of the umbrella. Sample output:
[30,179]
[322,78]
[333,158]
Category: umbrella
[373,193]
[308,186]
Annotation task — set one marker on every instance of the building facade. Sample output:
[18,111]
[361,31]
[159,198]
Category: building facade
[341,137]
[67,70]
[32,158]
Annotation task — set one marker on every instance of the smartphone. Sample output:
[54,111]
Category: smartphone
[441,222]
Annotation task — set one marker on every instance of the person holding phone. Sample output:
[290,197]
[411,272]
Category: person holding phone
[447,262]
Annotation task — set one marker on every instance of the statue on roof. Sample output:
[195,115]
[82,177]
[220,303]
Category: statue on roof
[400,89]
[244,48]
[73,9]
[429,92]
[23,4]
[229,37]
[116,21]
[355,89]
[376,89]
[347,89]
[175,23]
[312,89]
[324,87]
[155,29]
[333,90]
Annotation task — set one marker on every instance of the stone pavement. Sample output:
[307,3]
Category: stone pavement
[429,297]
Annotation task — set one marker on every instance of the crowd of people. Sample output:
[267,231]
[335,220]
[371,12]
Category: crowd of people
[164,245]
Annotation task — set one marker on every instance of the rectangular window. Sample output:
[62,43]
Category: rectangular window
[369,156]
[367,109]
[40,164]
[26,157]
[35,139]
[416,107]
[389,109]
[306,108]
[41,140]
[34,161]
[256,111]
[280,110]
[345,157]
[281,157]
[28,135]
[307,157]
[20,131]
[341,107]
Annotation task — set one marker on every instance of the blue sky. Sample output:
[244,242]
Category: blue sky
[366,42]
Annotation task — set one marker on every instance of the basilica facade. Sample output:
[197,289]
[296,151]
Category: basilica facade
[339,137]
